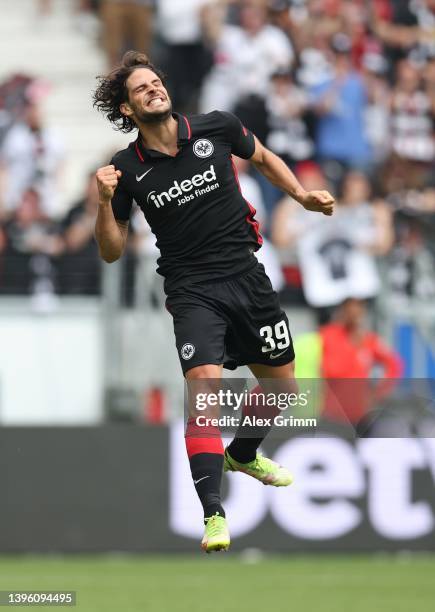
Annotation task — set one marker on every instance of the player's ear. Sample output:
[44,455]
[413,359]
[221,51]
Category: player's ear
[126,109]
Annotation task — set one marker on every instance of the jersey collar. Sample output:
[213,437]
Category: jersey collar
[184,135]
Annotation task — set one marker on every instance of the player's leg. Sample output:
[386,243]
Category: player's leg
[247,440]
[242,454]
[259,336]
[204,443]
[205,452]
[200,339]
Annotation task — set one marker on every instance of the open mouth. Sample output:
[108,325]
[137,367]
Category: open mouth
[156,101]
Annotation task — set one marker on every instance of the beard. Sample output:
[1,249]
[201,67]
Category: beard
[142,116]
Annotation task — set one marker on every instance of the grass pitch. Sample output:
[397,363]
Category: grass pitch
[230,583]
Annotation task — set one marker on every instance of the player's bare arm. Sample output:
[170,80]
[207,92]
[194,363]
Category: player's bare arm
[110,234]
[280,175]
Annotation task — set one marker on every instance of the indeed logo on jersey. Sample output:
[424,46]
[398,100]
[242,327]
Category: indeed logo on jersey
[185,191]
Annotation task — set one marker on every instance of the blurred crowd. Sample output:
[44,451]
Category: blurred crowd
[342,90]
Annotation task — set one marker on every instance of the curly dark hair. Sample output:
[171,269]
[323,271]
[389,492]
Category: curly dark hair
[112,91]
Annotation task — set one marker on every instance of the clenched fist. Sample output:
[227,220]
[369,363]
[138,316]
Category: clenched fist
[318,201]
[107,181]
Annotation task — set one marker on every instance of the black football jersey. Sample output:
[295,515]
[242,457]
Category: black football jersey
[205,229]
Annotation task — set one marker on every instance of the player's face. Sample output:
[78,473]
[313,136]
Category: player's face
[148,99]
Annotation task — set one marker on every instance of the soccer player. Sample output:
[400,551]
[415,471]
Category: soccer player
[180,172]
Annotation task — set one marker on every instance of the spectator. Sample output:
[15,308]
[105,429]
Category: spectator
[377,113]
[287,119]
[350,350]
[79,266]
[412,117]
[313,24]
[32,245]
[13,100]
[245,57]
[311,28]
[126,23]
[350,353]
[148,286]
[32,155]
[340,103]
[186,59]
[413,143]
[407,28]
[336,255]
[289,221]
[289,218]
[410,267]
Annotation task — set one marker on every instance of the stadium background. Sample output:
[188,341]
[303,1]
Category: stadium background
[91,395]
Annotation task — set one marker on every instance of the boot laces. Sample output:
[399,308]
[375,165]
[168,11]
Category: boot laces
[214,526]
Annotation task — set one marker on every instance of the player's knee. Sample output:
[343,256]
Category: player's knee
[202,382]
[206,371]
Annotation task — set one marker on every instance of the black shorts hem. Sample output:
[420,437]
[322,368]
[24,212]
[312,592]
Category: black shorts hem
[247,362]
[200,363]
[274,364]
[233,364]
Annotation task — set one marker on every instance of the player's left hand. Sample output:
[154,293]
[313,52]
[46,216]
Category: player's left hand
[318,201]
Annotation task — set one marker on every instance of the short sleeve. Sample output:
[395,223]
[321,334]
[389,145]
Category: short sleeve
[241,139]
[121,201]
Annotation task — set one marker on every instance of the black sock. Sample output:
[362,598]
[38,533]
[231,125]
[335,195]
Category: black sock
[244,446]
[244,450]
[206,471]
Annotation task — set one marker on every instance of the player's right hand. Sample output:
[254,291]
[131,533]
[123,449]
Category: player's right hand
[107,181]
[318,201]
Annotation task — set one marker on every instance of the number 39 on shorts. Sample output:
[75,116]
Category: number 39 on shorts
[275,337]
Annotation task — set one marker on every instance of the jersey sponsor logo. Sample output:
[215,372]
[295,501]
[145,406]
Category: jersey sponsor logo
[187,351]
[203,148]
[180,190]
[139,178]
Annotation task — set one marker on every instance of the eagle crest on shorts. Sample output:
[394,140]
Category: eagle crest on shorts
[187,351]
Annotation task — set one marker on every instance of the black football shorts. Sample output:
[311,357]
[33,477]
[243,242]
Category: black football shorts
[234,322]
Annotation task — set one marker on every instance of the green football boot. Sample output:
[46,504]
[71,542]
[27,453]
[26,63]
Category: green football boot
[216,534]
[263,469]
